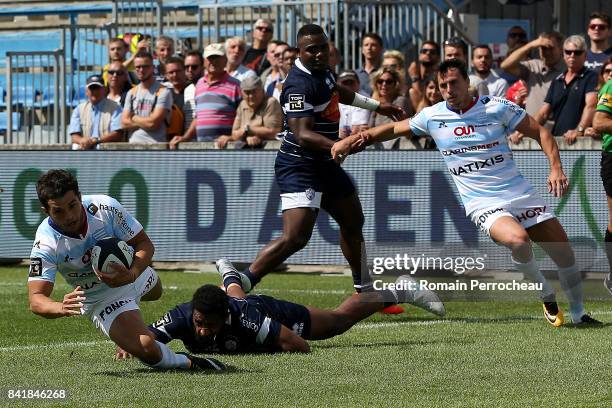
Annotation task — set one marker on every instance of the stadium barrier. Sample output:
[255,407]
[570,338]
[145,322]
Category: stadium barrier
[200,205]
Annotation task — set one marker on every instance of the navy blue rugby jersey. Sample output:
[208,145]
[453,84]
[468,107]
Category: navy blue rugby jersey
[247,329]
[307,94]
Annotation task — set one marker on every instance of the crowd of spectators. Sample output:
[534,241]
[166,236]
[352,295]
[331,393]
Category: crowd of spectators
[231,93]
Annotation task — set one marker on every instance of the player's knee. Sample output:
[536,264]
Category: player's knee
[295,243]
[519,241]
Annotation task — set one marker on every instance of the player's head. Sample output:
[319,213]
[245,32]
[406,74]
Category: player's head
[58,192]
[210,310]
[454,83]
[314,47]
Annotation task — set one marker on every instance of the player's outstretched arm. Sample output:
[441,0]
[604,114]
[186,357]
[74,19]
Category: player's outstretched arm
[39,293]
[358,142]
[288,341]
[348,97]
[557,181]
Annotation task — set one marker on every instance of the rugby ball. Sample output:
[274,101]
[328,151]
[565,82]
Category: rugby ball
[109,251]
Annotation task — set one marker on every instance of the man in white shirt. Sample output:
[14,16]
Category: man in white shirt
[482,60]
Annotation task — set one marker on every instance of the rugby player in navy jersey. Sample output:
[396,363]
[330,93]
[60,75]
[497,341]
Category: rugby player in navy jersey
[217,321]
[307,177]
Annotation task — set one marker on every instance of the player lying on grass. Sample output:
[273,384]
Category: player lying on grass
[471,133]
[220,322]
[63,244]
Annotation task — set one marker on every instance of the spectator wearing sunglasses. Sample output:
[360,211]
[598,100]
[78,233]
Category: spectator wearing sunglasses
[515,39]
[572,95]
[537,73]
[427,63]
[118,82]
[599,36]
[255,57]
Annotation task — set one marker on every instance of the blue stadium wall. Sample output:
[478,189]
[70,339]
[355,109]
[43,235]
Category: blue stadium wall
[200,205]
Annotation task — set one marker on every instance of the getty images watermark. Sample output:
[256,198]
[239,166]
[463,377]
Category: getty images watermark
[460,265]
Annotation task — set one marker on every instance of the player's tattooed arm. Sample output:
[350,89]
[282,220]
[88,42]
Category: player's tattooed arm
[288,341]
[557,182]
[39,292]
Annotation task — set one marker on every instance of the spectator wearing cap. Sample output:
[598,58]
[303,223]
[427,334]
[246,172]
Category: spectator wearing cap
[235,50]
[572,95]
[217,97]
[352,118]
[147,107]
[599,36]
[97,120]
[258,117]
[537,73]
[255,57]
[287,60]
[482,62]
[372,51]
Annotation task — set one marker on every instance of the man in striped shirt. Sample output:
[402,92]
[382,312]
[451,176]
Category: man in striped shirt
[217,97]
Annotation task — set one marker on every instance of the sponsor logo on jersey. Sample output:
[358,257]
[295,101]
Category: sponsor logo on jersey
[80,274]
[92,209]
[332,111]
[109,309]
[296,102]
[530,213]
[485,100]
[164,320]
[464,131]
[249,324]
[476,165]
[466,149]
[109,208]
[35,267]
[86,258]
[36,244]
[483,217]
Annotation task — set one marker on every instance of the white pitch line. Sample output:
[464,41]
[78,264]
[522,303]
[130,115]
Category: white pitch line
[54,346]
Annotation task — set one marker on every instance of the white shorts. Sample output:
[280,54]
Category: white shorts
[528,211]
[308,199]
[122,299]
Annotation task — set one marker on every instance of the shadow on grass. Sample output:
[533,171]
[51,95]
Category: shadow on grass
[144,372]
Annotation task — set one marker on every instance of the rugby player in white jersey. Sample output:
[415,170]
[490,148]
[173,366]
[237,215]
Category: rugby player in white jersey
[471,135]
[63,244]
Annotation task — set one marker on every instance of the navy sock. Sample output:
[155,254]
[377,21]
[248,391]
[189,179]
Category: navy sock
[254,279]
[389,298]
[229,279]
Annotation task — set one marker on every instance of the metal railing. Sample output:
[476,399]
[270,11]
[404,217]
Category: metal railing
[42,92]
[36,95]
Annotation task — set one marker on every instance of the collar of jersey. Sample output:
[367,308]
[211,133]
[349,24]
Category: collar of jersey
[75,236]
[301,66]
[462,111]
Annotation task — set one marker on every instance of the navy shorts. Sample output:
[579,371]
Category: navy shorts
[291,315]
[302,182]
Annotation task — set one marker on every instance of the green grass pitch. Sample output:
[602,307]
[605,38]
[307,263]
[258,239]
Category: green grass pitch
[482,354]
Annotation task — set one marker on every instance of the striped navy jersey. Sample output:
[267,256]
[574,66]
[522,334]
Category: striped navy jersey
[307,94]
[247,328]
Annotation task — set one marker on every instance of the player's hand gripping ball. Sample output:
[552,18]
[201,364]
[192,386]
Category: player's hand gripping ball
[109,251]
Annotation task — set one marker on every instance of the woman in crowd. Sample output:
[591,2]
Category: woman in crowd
[387,84]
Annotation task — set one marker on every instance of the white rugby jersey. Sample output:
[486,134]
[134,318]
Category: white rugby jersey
[53,251]
[474,146]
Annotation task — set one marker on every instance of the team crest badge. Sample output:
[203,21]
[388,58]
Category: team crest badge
[310,193]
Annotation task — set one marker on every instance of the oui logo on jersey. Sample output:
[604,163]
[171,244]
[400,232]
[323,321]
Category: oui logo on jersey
[462,132]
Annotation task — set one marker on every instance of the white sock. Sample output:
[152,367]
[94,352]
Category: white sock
[571,282]
[531,271]
[170,359]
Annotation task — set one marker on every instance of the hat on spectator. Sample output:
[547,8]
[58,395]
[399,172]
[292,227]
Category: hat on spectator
[94,80]
[250,83]
[214,49]
[348,74]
